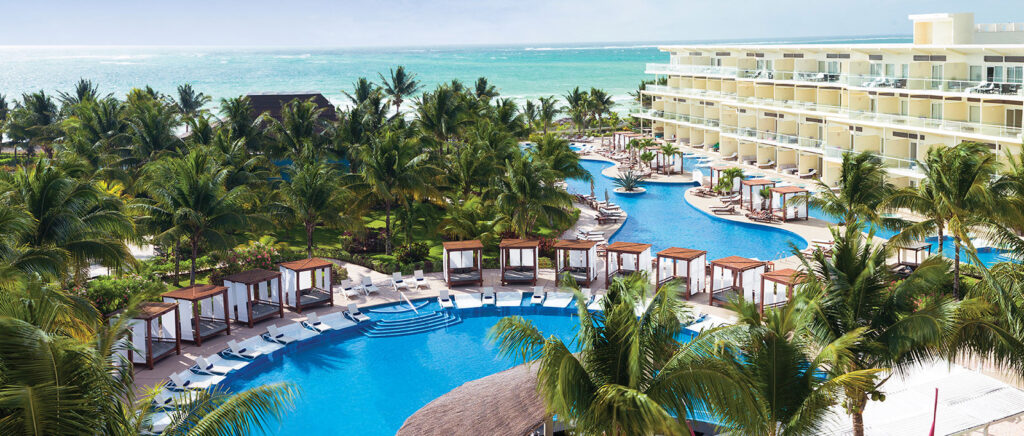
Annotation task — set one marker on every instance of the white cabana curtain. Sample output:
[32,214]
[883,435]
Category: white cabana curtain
[698,176]
[237,300]
[793,210]
[185,311]
[698,274]
[138,339]
[521,257]
[645,264]
[773,293]
[750,281]
[288,285]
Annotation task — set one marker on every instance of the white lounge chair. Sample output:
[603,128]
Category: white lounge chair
[808,174]
[398,282]
[368,286]
[558,299]
[595,304]
[766,165]
[419,279]
[168,399]
[156,423]
[445,300]
[467,301]
[349,289]
[314,322]
[538,295]
[216,365]
[355,315]
[251,348]
[488,296]
[189,380]
[509,299]
[275,334]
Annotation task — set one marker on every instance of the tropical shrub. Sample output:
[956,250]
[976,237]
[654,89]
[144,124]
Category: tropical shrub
[412,252]
[109,293]
[256,254]
[628,181]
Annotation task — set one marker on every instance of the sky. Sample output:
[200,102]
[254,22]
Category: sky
[370,23]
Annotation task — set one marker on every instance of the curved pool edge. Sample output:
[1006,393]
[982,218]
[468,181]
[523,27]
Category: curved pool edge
[760,226]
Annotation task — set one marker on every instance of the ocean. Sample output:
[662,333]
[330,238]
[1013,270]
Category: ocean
[517,71]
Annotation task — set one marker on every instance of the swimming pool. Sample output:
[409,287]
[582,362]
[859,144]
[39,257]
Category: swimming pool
[662,217]
[987,255]
[355,384]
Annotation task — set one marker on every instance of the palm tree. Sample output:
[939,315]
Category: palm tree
[362,89]
[399,87]
[530,113]
[64,374]
[862,191]
[630,375]
[152,124]
[301,124]
[548,111]
[528,196]
[727,179]
[577,102]
[668,150]
[240,120]
[17,258]
[84,91]
[647,157]
[601,103]
[189,193]
[786,370]
[555,153]
[34,121]
[313,197]
[906,321]
[392,171]
[190,102]
[484,90]
[71,219]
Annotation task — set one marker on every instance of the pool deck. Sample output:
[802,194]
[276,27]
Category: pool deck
[145,378]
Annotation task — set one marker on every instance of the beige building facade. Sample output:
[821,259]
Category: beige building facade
[800,107]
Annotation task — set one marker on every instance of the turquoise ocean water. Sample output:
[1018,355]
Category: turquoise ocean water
[517,71]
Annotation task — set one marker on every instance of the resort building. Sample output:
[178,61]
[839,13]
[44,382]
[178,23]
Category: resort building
[798,108]
[271,103]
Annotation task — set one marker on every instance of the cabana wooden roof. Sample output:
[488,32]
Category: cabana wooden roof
[519,243]
[737,263]
[195,293]
[627,247]
[787,277]
[252,276]
[681,253]
[272,103]
[463,245]
[151,309]
[506,403]
[721,167]
[306,264]
[914,246]
[580,244]
[757,182]
[788,190]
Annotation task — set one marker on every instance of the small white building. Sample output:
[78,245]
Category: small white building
[306,283]
[254,295]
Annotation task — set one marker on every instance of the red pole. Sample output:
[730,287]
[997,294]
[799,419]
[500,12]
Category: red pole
[935,412]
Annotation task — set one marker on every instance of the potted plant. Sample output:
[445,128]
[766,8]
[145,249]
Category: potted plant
[628,183]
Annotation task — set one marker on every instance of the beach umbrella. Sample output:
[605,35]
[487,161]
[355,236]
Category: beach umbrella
[606,195]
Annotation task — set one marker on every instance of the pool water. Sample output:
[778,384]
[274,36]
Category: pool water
[987,255]
[354,384]
[663,218]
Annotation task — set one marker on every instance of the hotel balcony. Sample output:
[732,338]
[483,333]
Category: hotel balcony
[1006,88]
[961,127]
[774,138]
[896,165]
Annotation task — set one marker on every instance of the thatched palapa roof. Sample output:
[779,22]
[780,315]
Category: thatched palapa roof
[505,403]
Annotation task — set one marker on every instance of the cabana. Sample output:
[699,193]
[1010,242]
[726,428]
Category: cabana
[750,193]
[203,311]
[578,258]
[254,295]
[783,205]
[519,260]
[912,254]
[788,278]
[735,275]
[693,271]
[716,175]
[306,283]
[463,263]
[630,257]
[153,332]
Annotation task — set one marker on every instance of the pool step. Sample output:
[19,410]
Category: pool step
[407,326]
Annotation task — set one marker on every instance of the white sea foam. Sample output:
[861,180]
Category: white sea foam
[298,56]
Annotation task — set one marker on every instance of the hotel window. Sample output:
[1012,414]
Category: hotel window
[832,67]
[876,69]
[904,71]
[936,76]
[1015,74]
[890,70]
[937,111]
[974,114]
[1013,117]
[913,149]
[994,74]
[904,107]
[977,73]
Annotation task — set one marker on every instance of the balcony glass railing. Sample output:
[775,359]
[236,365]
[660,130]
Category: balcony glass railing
[909,121]
[780,138]
[856,80]
[887,161]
